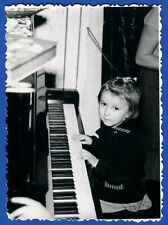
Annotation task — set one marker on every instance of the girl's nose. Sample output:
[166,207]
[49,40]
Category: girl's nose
[107,111]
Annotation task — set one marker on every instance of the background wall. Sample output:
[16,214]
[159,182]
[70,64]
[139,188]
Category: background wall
[77,64]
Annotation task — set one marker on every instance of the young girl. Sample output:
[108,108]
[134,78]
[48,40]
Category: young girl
[116,153]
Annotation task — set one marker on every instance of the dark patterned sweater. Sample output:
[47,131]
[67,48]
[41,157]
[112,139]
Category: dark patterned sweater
[119,174]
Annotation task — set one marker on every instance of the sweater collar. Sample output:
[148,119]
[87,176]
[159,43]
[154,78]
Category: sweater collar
[127,126]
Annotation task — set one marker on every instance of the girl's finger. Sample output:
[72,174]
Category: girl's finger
[85,154]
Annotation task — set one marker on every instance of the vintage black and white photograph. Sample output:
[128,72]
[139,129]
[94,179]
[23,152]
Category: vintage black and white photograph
[83,112]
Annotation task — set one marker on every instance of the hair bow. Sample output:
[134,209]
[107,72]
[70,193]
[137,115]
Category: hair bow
[130,79]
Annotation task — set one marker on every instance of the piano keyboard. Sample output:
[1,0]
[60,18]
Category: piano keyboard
[69,194]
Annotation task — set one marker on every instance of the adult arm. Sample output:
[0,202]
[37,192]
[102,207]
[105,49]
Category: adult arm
[145,55]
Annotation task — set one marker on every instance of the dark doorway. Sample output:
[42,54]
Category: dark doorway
[121,33]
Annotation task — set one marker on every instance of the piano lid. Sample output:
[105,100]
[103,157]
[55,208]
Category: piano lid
[26,55]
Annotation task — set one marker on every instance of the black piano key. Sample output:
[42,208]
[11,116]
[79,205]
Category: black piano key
[66,208]
[62,173]
[64,195]
[61,164]
[58,130]
[61,184]
[58,138]
[55,107]
[55,142]
[53,126]
[55,148]
[59,143]
[60,156]
[55,139]
[60,153]
[72,218]
[55,112]
[57,123]
[56,117]
[59,147]
[65,211]
[60,160]
[55,104]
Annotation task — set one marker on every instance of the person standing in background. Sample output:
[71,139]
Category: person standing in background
[147,57]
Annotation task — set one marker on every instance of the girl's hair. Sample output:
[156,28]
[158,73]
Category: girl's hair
[124,87]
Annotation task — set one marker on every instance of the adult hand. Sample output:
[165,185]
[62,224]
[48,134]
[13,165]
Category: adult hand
[31,210]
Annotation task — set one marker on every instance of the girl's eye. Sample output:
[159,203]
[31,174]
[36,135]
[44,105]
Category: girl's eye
[103,104]
[116,108]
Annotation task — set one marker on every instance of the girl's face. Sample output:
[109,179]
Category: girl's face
[113,109]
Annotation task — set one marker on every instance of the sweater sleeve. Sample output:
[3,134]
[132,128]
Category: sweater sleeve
[127,162]
[94,147]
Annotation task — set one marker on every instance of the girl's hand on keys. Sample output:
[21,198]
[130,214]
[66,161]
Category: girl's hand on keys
[89,157]
[84,139]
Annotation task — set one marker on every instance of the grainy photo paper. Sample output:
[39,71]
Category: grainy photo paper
[83,110]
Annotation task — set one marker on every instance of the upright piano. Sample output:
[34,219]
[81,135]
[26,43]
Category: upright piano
[47,165]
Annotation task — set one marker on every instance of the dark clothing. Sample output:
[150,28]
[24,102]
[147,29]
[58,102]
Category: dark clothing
[120,170]
[149,120]
[149,125]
